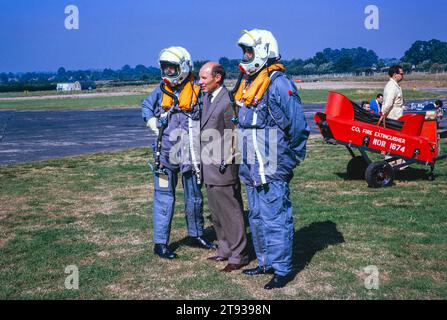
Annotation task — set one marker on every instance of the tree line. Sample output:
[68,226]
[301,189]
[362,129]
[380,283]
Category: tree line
[428,56]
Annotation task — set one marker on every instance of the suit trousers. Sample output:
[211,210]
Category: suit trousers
[226,206]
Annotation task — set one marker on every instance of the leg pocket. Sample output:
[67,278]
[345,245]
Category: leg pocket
[273,199]
[163,181]
[276,208]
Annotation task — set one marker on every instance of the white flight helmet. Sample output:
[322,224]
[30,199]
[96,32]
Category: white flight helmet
[264,47]
[175,65]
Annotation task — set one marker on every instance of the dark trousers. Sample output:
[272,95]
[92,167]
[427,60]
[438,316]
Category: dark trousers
[226,206]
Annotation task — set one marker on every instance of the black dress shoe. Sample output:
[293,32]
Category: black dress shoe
[201,242]
[258,270]
[163,251]
[277,282]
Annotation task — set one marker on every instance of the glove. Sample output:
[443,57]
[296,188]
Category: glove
[152,124]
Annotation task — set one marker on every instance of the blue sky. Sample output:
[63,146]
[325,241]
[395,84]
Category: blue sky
[113,33]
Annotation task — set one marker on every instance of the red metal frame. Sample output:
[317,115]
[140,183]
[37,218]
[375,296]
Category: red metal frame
[416,141]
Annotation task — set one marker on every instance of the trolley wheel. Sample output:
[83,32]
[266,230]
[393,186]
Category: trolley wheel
[431,177]
[356,168]
[379,174]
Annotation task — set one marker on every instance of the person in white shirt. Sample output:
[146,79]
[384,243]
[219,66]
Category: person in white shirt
[392,96]
[392,107]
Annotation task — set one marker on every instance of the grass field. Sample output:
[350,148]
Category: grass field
[308,97]
[74,103]
[40,93]
[358,95]
[101,89]
[411,79]
[94,212]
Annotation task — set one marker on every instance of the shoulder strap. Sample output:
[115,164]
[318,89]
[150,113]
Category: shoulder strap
[273,76]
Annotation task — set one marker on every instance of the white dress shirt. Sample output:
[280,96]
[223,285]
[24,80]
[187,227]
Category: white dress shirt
[215,93]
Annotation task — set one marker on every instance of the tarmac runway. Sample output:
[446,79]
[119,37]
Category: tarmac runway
[27,136]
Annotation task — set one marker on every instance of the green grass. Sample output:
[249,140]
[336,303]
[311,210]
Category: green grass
[41,93]
[358,95]
[75,103]
[95,212]
[308,97]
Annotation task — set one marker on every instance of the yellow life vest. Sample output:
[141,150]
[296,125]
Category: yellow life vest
[253,94]
[187,98]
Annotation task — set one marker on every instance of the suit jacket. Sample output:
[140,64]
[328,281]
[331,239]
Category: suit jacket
[217,116]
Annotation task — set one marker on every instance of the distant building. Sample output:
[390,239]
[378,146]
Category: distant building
[75,86]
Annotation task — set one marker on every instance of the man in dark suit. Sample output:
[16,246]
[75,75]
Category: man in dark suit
[220,176]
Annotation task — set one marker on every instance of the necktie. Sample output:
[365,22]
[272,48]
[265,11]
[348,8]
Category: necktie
[208,103]
[208,99]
